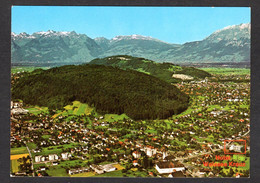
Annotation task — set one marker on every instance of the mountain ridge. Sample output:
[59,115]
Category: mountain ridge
[230,44]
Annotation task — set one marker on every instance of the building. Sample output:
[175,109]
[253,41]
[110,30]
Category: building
[43,158]
[53,157]
[150,151]
[65,155]
[98,169]
[108,168]
[136,154]
[37,159]
[167,167]
[236,148]
[78,170]
[135,163]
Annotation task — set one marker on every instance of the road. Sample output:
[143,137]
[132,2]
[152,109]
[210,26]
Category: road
[196,155]
[30,157]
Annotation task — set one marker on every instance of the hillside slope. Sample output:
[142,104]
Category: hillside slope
[108,89]
[164,71]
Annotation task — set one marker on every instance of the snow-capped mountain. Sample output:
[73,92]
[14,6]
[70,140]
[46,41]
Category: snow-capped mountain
[54,47]
[230,44]
[232,33]
[134,37]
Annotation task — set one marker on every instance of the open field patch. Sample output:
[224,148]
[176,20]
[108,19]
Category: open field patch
[56,171]
[77,108]
[117,173]
[31,145]
[18,156]
[15,165]
[54,149]
[37,110]
[118,167]
[227,71]
[115,117]
[18,150]
[85,174]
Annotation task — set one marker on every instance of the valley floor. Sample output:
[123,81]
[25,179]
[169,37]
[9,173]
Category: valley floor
[79,142]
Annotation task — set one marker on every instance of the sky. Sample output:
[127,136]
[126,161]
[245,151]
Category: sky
[169,24]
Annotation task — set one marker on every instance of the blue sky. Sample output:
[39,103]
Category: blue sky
[170,24]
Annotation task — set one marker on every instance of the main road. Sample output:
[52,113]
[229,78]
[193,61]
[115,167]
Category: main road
[30,157]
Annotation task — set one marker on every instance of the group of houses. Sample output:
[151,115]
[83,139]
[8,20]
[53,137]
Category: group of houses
[51,157]
[99,169]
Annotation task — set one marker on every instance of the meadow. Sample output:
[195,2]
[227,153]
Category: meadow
[227,71]
[19,150]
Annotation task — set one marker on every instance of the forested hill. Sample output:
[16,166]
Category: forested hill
[163,71]
[108,89]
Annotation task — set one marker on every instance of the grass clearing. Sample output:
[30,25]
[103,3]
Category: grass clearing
[115,117]
[31,145]
[56,171]
[118,166]
[15,165]
[77,108]
[117,173]
[19,150]
[54,149]
[85,174]
[227,71]
[37,110]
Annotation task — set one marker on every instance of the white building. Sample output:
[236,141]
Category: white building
[65,155]
[108,168]
[43,158]
[136,154]
[150,151]
[53,157]
[98,169]
[169,167]
[37,159]
[236,148]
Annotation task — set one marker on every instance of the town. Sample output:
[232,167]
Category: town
[63,143]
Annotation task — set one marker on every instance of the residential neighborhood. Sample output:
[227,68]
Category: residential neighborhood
[66,144]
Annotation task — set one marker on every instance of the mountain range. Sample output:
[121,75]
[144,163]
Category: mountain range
[230,44]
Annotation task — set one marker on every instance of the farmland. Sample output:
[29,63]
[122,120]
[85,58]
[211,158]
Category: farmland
[18,156]
[227,71]
[18,150]
[15,165]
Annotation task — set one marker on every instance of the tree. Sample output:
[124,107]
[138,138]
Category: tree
[25,164]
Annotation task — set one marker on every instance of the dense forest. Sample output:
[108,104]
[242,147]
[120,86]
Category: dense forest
[108,89]
[164,71]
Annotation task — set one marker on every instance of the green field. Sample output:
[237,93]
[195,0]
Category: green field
[37,110]
[115,117]
[71,163]
[77,108]
[85,174]
[15,166]
[36,166]
[54,149]
[26,69]
[31,145]
[55,171]
[227,71]
[117,173]
[18,150]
